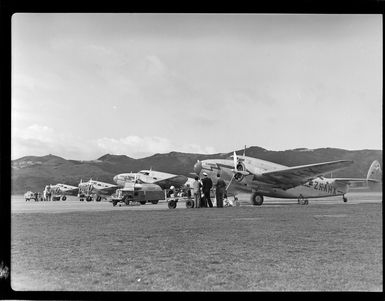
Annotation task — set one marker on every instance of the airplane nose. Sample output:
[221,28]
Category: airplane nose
[198,167]
[115,179]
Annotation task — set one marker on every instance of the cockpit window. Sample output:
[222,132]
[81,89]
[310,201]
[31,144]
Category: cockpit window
[146,173]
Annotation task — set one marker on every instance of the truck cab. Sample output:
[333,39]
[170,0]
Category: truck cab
[141,193]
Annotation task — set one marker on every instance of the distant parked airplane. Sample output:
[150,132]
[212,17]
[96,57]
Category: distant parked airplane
[163,179]
[264,178]
[95,190]
[61,191]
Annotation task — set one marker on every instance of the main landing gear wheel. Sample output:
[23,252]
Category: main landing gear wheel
[345,199]
[98,198]
[63,198]
[172,204]
[88,199]
[256,199]
[189,204]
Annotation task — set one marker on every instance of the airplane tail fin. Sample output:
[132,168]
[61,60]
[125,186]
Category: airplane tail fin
[374,177]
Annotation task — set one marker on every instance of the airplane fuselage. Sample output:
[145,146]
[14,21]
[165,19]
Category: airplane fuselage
[163,179]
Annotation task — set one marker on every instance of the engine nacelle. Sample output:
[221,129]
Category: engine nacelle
[239,176]
[241,166]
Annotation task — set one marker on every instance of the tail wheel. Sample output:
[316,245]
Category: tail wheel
[256,199]
[302,200]
[189,204]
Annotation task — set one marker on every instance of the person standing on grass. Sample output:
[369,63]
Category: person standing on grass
[220,191]
[207,184]
[197,192]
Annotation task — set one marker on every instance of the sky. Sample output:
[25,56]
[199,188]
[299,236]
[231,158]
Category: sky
[84,85]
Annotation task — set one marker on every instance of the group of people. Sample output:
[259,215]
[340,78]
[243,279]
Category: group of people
[37,196]
[204,186]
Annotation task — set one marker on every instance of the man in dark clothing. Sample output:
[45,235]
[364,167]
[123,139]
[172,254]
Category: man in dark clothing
[220,191]
[207,184]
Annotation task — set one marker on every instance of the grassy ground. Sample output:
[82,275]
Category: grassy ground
[289,248]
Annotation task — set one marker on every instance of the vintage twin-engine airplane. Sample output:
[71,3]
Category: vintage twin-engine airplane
[95,190]
[264,178]
[61,191]
[163,179]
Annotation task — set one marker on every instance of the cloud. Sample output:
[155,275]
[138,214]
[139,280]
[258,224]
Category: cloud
[35,132]
[135,146]
[40,140]
[154,66]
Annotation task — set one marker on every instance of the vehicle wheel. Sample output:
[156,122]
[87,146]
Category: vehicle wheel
[88,199]
[256,199]
[171,204]
[189,204]
[155,202]
[81,200]
[143,202]
[63,198]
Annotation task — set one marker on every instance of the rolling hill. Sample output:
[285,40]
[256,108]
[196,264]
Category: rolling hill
[33,173]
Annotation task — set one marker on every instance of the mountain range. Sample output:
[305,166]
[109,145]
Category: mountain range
[33,172]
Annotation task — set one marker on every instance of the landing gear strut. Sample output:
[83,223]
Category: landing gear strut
[344,198]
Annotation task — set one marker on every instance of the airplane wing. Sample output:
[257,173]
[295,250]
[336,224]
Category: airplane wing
[297,175]
[106,190]
[73,191]
[178,180]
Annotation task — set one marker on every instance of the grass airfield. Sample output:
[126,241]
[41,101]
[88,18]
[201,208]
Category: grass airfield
[281,246]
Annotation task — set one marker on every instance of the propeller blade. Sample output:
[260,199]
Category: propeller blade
[198,167]
[235,161]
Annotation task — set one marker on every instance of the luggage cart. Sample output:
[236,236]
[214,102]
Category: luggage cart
[173,201]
